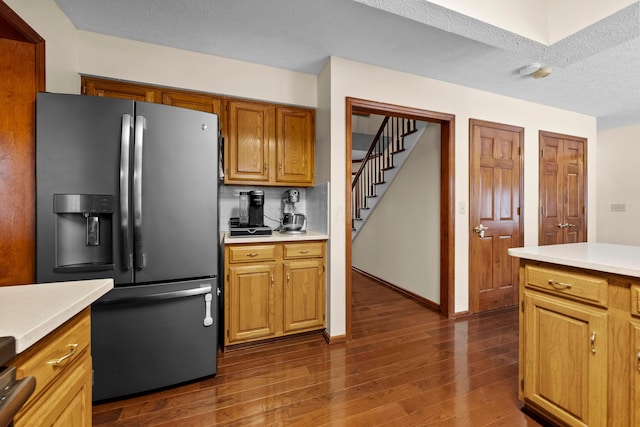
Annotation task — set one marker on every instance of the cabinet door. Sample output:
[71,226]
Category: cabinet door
[250,136]
[295,146]
[635,374]
[252,302]
[116,89]
[66,403]
[206,103]
[565,357]
[304,295]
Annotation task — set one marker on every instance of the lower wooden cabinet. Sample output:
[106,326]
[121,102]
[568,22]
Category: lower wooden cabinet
[579,345]
[304,295]
[252,302]
[61,364]
[273,290]
[565,359]
[635,373]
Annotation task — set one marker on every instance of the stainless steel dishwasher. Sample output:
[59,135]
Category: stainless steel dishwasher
[13,393]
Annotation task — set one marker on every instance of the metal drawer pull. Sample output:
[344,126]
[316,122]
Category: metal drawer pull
[304,251]
[593,342]
[252,254]
[638,359]
[559,284]
[56,362]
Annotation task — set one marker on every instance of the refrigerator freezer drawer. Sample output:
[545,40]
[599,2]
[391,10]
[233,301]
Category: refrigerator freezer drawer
[152,336]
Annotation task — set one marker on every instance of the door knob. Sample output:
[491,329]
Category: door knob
[480,229]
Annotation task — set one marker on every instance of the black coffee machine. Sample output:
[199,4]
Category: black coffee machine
[251,219]
[256,208]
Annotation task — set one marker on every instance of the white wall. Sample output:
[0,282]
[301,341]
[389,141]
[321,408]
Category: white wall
[400,242]
[353,79]
[70,52]
[618,163]
[143,62]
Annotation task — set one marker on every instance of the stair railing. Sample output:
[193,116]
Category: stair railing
[388,140]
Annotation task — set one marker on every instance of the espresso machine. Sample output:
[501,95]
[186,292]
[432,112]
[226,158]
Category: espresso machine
[291,222]
[250,221]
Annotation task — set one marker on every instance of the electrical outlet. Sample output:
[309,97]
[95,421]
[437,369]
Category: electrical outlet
[618,207]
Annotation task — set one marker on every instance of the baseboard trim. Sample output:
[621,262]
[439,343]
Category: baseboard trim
[337,339]
[420,299]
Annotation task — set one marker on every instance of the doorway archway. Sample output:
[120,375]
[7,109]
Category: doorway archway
[447,204]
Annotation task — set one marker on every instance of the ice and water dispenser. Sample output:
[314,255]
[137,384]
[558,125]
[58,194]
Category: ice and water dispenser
[83,232]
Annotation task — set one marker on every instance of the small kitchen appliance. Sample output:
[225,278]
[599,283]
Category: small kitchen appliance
[251,222]
[244,208]
[291,221]
[256,208]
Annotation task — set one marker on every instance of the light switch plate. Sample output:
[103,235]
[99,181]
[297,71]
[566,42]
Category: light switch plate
[618,207]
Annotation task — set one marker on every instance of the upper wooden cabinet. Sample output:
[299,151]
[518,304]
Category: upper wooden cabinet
[249,143]
[192,101]
[264,143]
[269,144]
[117,89]
[295,145]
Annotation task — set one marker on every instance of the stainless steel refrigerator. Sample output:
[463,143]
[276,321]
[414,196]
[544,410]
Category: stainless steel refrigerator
[128,190]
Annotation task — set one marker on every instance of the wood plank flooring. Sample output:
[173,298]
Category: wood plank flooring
[405,366]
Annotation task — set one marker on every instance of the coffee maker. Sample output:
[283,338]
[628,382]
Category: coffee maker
[256,208]
[251,219]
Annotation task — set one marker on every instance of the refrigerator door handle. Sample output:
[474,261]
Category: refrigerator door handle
[140,126]
[125,143]
[202,290]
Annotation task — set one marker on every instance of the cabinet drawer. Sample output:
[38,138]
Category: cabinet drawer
[64,346]
[252,253]
[572,285]
[303,250]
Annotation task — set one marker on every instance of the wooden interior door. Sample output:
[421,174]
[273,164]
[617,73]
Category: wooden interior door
[562,177]
[21,77]
[494,214]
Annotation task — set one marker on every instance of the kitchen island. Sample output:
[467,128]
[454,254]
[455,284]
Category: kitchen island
[52,329]
[580,333]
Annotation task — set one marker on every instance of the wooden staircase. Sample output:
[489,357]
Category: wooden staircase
[369,178]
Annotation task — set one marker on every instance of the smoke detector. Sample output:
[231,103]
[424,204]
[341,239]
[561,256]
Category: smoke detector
[535,70]
[541,73]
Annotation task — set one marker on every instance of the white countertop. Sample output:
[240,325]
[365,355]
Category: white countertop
[610,258]
[276,236]
[30,312]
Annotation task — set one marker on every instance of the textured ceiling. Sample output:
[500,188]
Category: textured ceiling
[595,71]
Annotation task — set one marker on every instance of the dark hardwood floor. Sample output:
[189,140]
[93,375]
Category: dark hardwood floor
[405,366]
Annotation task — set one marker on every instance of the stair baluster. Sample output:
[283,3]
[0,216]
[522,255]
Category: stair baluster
[388,140]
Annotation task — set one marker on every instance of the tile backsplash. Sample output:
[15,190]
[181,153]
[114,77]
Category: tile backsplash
[313,203]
